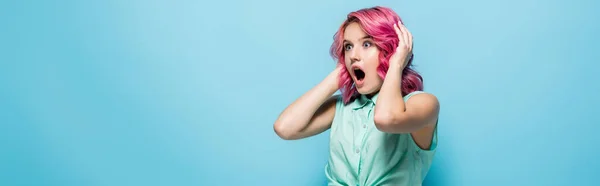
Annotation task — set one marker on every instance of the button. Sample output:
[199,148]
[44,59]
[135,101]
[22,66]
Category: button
[364,126]
[357,151]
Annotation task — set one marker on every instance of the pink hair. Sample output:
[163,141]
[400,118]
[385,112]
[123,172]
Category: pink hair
[377,22]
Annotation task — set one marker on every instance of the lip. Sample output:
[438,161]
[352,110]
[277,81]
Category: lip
[358,83]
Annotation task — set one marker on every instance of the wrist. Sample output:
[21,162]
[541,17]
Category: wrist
[332,82]
[395,67]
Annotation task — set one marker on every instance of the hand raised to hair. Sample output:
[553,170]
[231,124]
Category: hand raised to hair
[405,45]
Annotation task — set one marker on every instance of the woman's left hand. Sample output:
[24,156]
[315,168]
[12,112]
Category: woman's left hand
[405,45]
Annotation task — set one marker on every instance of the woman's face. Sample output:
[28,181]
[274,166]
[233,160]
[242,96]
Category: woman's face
[361,59]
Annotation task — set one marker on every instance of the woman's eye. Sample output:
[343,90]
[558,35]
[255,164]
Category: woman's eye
[347,47]
[367,44]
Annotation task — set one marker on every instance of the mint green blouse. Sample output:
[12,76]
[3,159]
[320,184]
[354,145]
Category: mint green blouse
[360,154]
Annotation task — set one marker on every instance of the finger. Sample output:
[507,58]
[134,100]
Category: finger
[398,32]
[410,38]
[404,35]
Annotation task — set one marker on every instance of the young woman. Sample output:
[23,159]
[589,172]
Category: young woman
[383,126]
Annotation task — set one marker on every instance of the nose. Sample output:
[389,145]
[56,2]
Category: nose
[355,55]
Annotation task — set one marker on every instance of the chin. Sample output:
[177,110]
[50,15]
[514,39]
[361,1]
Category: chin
[365,90]
[369,86]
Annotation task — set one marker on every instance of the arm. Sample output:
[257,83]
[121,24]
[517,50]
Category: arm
[392,114]
[310,114]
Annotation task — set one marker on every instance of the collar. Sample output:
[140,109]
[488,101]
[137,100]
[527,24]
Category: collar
[362,101]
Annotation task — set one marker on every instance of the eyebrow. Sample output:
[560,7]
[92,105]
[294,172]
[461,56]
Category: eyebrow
[364,37]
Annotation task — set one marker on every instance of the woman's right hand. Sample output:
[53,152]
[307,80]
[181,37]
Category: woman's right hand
[313,112]
[333,78]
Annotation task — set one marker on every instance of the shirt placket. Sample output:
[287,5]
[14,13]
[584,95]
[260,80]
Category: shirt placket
[362,117]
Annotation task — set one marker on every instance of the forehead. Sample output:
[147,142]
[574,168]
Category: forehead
[354,32]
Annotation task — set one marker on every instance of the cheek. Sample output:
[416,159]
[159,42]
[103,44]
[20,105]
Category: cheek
[372,61]
[347,64]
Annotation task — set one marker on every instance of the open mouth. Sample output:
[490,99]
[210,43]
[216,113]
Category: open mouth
[360,75]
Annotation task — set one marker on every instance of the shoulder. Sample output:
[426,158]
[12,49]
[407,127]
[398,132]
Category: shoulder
[337,101]
[423,102]
[422,97]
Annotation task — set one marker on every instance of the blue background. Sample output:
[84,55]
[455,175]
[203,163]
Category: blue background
[185,92]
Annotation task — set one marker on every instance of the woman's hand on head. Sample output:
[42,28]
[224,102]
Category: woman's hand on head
[338,70]
[405,46]
[334,77]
